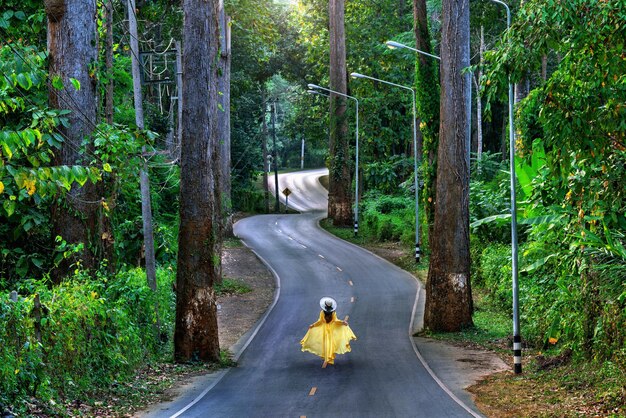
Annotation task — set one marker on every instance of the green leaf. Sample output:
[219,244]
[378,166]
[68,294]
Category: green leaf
[9,207]
[75,83]
[57,83]
[494,218]
[534,266]
[28,137]
[6,149]
[106,167]
[80,175]
[24,81]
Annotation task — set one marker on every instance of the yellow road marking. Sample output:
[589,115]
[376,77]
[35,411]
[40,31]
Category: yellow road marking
[313,390]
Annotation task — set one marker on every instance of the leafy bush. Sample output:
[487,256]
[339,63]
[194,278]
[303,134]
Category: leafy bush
[389,218]
[92,331]
[495,270]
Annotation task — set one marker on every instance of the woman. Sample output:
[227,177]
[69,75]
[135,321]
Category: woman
[329,335]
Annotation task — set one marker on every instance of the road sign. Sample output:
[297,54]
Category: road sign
[287,192]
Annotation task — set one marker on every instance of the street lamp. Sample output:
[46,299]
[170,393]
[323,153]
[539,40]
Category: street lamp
[517,339]
[394,45]
[313,90]
[417,234]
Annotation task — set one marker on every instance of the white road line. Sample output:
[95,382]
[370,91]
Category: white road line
[247,343]
[427,367]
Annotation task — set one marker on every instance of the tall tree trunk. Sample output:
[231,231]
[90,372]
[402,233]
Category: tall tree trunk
[448,290]
[427,97]
[339,180]
[144,180]
[108,107]
[72,50]
[199,251]
[224,118]
[179,100]
[479,104]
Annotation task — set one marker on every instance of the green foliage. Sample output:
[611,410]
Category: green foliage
[388,218]
[386,175]
[494,268]
[571,169]
[30,180]
[93,332]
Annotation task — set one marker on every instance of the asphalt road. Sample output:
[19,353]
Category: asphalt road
[381,377]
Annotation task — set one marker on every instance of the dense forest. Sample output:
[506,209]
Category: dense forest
[97,170]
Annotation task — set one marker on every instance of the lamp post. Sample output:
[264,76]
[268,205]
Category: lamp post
[394,45]
[517,339]
[313,90]
[417,234]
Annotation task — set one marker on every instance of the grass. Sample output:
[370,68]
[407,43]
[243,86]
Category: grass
[491,329]
[583,389]
[230,286]
[233,242]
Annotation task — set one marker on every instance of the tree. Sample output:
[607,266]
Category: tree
[448,290]
[199,252]
[144,179]
[72,52]
[224,117]
[340,181]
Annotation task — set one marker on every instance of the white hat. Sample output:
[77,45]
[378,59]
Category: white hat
[328,304]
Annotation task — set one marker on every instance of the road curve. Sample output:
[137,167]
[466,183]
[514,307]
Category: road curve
[381,377]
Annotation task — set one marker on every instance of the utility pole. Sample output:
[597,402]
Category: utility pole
[277,206]
[266,166]
[146,207]
[302,156]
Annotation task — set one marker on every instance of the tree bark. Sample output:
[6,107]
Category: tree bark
[340,180]
[108,108]
[72,49]
[224,118]
[199,251]
[144,179]
[479,104]
[179,100]
[448,290]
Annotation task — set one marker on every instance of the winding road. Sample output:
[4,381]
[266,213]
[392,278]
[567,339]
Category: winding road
[381,377]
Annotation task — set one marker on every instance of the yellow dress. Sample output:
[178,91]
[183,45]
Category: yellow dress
[326,339]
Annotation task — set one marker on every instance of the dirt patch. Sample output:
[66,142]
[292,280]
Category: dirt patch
[238,313]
